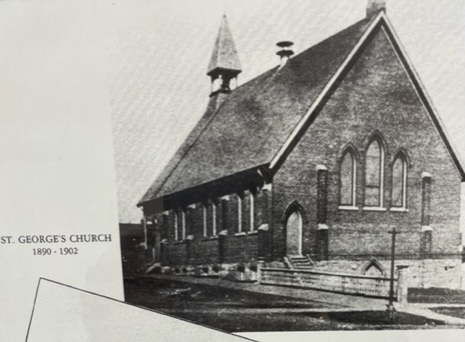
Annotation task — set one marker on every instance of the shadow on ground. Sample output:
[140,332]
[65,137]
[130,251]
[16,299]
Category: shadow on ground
[235,310]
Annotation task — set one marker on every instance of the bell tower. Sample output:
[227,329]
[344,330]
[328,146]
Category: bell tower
[224,64]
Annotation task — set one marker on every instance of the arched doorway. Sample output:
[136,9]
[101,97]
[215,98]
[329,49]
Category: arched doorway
[294,233]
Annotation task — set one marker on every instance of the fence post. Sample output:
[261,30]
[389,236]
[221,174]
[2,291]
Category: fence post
[260,264]
[402,285]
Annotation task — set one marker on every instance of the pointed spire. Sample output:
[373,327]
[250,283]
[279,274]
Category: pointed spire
[224,54]
[224,64]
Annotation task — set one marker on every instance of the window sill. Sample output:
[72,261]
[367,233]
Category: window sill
[374,209]
[240,234]
[348,207]
[253,232]
[179,242]
[399,210]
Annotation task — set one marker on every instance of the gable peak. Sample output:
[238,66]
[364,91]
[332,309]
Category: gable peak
[374,6]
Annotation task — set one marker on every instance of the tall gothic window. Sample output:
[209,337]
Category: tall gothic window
[399,182]
[348,179]
[374,176]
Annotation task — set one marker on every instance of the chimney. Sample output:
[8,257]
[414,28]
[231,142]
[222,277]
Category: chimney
[374,6]
[285,53]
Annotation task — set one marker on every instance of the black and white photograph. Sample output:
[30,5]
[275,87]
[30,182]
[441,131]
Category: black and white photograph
[292,165]
[261,170]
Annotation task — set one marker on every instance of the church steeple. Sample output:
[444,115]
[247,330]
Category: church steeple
[224,64]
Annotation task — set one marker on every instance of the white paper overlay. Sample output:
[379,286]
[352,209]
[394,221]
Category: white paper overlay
[63,313]
[56,154]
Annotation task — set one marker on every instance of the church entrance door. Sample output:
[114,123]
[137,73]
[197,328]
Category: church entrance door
[294,233]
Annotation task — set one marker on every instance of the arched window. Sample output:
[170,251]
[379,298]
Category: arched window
[348,179]
[399,182]
[374,175]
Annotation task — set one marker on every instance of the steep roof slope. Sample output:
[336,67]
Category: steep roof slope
[255,121]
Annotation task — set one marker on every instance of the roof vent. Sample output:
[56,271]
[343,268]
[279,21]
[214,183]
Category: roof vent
[375,6]
[285,53]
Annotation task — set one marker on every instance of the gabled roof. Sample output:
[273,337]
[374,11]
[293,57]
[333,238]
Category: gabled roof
[224,54]
[261,121]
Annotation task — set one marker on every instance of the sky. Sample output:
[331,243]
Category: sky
[159,88]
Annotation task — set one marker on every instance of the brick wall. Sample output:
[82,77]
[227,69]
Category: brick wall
[374,96]
[228,245]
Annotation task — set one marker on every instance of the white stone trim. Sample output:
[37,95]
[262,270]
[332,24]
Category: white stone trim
[426,175]
[264,226]
[322,226]
[453,151]
[348,207]
[320,167]
[267,187]
[399,209]
[325,90]
[374,209]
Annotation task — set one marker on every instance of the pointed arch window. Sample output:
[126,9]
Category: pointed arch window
[399,182]
[374,174]
[348,179]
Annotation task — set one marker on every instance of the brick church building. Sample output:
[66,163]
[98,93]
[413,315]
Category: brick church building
[312,164]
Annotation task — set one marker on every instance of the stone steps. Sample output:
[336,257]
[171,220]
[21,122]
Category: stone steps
[300,261]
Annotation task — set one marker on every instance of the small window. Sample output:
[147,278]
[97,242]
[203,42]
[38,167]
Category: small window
[374,175]
[204,220]
[239,214]
[183,224]
[252,211]
[176,226]
[348,179]
[214,228]
[399,182]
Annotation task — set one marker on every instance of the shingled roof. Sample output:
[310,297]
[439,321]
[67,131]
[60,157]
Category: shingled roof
[255,120]
[258,119]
